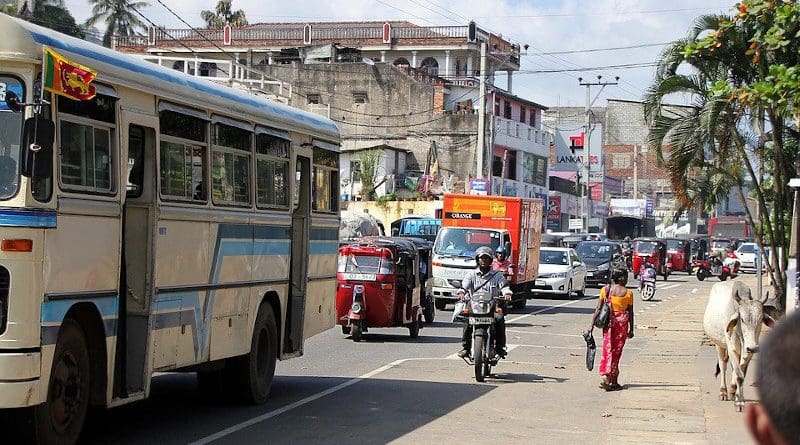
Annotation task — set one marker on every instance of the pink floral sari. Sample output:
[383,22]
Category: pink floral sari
[614,337]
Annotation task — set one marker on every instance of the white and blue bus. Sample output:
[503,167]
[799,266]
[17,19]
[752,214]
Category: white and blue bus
[168,224]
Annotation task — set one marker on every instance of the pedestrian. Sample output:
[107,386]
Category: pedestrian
[775,419]
[619,328]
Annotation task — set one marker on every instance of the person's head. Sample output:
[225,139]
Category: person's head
[774,420]
[483,256]
[627,239]
[619,276]
[500,253]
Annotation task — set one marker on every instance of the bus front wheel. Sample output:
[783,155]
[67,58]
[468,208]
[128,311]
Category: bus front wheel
[61,417]
[254,372]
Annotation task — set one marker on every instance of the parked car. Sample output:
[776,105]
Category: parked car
[746,254]
[561,271]
[600,257]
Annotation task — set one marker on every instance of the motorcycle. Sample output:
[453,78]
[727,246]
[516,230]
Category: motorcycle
[703,269]
[647,283]
[480,310]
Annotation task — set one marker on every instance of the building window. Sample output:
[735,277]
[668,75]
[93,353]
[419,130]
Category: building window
[532,118]
[507,109]
[621,160]
[497,108]
[497,166]
[401,61]
[360,97]
[314,99]
[430,65]
[511,165]
[522,115]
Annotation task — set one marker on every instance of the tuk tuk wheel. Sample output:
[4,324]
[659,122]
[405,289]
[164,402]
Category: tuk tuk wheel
[345,329]
[413,329]
[356,332]
[701,275]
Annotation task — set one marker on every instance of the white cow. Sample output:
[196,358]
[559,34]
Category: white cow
[732,321]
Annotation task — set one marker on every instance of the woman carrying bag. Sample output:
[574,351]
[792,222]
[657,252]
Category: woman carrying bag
[618,327]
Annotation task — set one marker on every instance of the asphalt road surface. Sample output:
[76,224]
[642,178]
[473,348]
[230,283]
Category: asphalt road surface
[391,388]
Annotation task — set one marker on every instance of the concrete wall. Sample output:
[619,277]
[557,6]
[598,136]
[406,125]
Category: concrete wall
[393,210]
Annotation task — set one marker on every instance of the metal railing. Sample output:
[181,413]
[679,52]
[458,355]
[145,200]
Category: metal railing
[229,72]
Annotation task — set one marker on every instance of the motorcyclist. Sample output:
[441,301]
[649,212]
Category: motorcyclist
[492,281]
[502,263]
[646,273]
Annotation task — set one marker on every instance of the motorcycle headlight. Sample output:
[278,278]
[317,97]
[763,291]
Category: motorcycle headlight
[602,267]
[357,307]
[479,307]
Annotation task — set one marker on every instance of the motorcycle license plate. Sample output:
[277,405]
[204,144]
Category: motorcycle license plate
[481,320]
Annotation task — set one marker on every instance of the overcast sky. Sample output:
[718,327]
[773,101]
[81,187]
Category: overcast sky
[583,33]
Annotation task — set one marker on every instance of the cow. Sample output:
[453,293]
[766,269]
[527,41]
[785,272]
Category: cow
[732,321]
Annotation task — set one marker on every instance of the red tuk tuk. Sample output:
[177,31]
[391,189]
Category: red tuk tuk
[378,285]
[652,250]
[679,253]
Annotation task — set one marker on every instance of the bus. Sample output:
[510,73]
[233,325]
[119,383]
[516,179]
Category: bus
[167,224]
[728,227]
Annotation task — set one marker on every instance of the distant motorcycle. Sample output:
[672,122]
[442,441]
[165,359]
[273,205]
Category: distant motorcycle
[729,268]
[647,283]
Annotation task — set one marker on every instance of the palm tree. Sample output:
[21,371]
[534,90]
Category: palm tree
[714,141]
[223,15]
[120,17]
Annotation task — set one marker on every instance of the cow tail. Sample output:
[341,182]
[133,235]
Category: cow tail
[717,372]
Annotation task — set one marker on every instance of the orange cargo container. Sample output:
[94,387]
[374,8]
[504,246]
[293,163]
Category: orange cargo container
[521,217]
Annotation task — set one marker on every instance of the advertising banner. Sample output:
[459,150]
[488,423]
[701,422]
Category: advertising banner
[478,186]
[554,208]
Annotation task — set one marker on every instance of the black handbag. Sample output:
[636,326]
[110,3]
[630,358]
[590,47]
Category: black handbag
[605,312]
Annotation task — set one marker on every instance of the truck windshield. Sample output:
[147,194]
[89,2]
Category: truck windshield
[459,241]
[10,135]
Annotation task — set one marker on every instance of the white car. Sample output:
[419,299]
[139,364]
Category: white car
[561,271]
[746,254]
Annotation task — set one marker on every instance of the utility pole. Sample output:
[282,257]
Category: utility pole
[482,113]
[586,141]
[635,172]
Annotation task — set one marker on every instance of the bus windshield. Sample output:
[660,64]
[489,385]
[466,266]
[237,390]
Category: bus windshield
[10,135]
[459,241]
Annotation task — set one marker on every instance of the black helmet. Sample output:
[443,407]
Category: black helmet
[500,251]
[483,251]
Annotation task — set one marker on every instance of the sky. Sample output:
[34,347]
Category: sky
[562,35]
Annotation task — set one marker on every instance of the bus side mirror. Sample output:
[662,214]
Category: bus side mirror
[507,248]
[12,101]
[38,135]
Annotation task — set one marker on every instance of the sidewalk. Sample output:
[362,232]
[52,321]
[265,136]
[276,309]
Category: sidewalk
[671,393]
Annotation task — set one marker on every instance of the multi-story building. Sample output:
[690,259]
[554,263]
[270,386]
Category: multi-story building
[410,91]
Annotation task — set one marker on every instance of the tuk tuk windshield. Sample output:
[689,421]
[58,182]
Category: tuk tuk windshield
[10,136]
[365,264]
[673,245]
[459,241]
[646,247]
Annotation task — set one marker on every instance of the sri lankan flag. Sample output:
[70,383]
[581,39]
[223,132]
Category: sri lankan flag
[67,78]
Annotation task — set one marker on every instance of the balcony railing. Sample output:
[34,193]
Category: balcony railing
[228,72]
[319,35]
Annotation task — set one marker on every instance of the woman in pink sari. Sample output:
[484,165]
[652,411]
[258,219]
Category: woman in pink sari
[619,329]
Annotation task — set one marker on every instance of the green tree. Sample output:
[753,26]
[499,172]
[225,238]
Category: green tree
[369,160]
[50,14]
[733,134]
[119,16]
[223,15]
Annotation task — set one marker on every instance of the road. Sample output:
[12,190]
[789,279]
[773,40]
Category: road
[390,388]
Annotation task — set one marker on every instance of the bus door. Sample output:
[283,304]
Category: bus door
[301,219]
[138,134]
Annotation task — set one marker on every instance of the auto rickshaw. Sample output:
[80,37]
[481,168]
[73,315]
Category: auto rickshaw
[679,253]
[652,250]
[378,285]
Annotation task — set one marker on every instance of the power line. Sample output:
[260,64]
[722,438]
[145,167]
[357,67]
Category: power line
[594,50]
